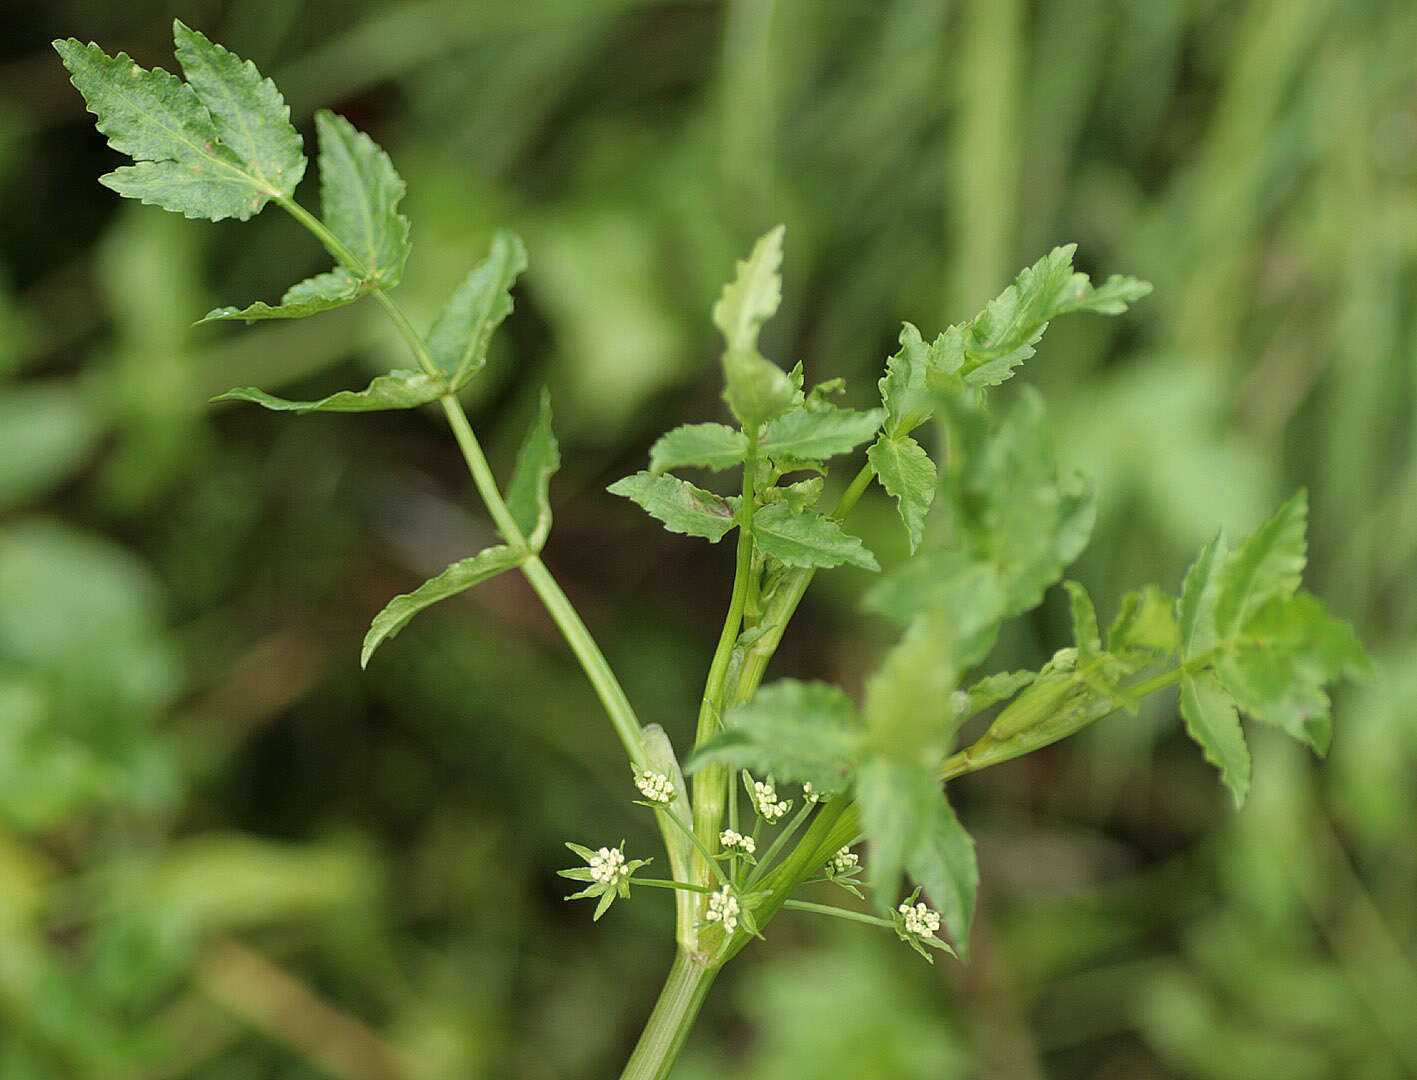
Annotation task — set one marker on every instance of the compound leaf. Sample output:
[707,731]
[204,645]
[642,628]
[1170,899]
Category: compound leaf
[801,537]
[528,492]
[396,390]
[681,506]
[1212,721]
[248,112]
[703,446]
[461,575]
[908,475]
[459,338]
[332,289]
[182,164]
[360,193]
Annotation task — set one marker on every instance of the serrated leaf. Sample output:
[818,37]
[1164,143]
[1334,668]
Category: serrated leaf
[360,193]
[681,506]
[1085,632]
[806,434]
[182,164]
[396,390]
[1195,610]
[1289,650]
[805,538]
[527,494]
[702,446]
[460,576]
[903,387]
[1269,564]
[995,688]
[333,289]
[908,475]
[1213,722]
[1145,622]
[944,865]
[897,801]
[247,111]
[757,389]
[800,731]
[459,338]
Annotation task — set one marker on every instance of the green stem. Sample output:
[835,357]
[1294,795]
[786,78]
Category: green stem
[838,913]
[711,785]
[678,886]
[679,1002]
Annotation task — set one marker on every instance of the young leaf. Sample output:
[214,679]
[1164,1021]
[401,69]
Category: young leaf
[1195,610]
[1289,649]
[757,389]
[993,689]
[792,730]
[458,340]
[1003,335]
[396,390]
[248,112]
[1145,623]
[703,446]
[805,434]
[1211,720]
[182,164]
[527,492]
[310,297]
[1085,633]
[682,507]
[897,799]
[1269,564]
[943,863]
[806,538]
[360,193]
[802,495]
[908,475]
[461,575]
[904,385]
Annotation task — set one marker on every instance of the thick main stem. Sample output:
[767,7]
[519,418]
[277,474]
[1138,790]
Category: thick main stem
[668,1026]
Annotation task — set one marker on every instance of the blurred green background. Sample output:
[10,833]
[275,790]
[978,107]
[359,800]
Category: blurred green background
[227,854]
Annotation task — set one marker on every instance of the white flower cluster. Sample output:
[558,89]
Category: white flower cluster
[656,787]
[723,907]
[736,841]
[607,865]
[844,861]
[811,794]
[920,920]
[769,807]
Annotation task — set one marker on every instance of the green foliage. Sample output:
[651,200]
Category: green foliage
[528,490]
[757,389]
[219,145]
[704,446]
[323,292]
[460,576]
[360,193]
[805,538]
[396,390]
[682,507]
[458,339]
[908,475]
[814,434]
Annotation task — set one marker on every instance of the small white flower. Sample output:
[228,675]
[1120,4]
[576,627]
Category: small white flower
[723,908]
[844,861]
[656,787]
[769,807]
[811,794]
[730,840]
[607,866]
[920,920]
